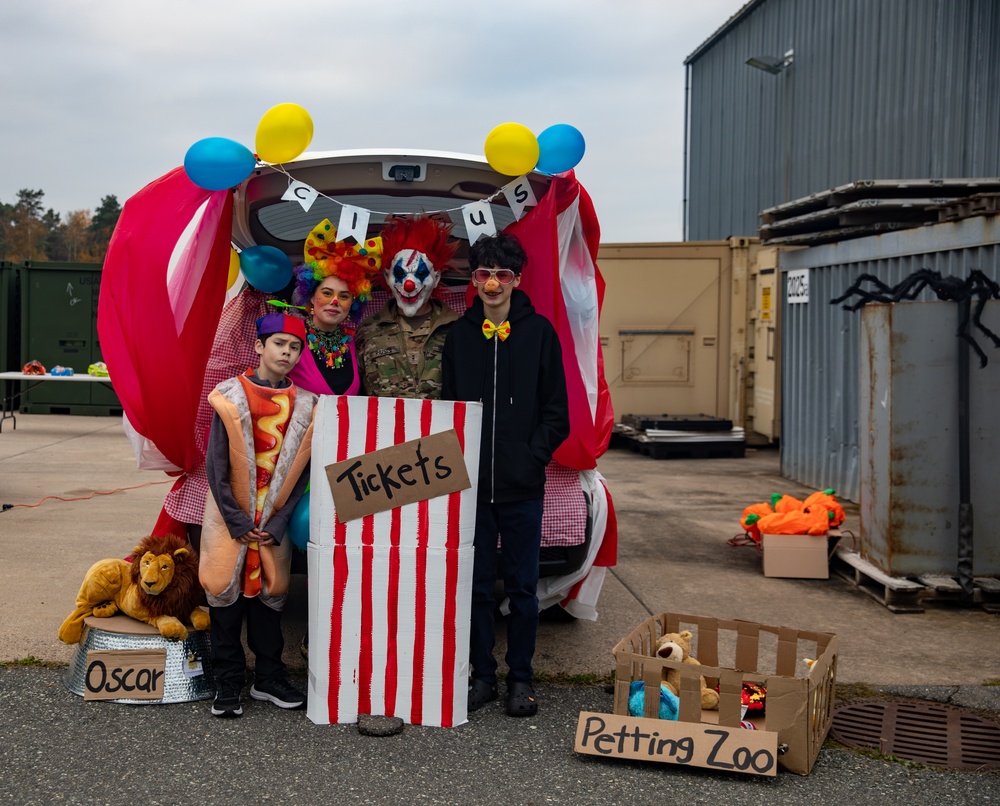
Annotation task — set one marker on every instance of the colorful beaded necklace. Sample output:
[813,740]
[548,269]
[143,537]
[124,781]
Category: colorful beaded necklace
[329,345]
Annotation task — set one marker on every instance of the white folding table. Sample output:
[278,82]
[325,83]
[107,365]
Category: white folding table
[13,379]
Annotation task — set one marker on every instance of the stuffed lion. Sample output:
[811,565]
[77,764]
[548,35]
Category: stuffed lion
[160,586]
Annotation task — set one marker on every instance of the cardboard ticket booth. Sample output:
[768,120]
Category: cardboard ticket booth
[392,520]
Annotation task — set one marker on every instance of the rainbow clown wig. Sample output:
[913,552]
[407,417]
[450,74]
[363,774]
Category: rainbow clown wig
[421,234]
[325,256]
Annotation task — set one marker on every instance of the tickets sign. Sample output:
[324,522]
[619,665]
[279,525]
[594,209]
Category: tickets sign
[402,474]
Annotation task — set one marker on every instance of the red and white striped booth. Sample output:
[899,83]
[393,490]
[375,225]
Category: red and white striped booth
[390,593]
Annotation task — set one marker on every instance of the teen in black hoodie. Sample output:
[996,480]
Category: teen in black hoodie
[505,355]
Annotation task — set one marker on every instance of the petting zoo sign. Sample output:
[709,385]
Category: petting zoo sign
[687,743]
[125,674]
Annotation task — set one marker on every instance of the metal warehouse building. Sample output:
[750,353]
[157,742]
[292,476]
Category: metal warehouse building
[844,90]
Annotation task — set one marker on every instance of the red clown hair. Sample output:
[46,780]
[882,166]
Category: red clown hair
[421,233]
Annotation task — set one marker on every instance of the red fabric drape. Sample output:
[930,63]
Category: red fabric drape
[156,357]
[590,431]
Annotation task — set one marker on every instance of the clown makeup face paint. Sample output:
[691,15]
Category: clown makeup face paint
[330,303]
[412,279]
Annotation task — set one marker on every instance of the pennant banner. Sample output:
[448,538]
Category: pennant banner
[353,224]
[478,218]
[519,196]
[301,193]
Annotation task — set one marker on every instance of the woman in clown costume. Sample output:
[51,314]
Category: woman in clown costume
[332,286]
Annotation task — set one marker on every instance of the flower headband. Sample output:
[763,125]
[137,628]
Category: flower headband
[325,256]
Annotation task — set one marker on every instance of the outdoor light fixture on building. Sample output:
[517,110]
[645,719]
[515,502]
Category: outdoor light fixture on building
[771,64]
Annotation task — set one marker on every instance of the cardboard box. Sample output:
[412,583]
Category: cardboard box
[799,556]
[389,633]
[798,703]
[390,587]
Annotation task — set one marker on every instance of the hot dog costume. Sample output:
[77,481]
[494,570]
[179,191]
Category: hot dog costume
[259,448]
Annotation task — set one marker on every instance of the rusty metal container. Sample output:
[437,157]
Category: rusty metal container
[909,440]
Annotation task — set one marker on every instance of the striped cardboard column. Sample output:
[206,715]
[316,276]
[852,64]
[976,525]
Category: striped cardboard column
[389,594]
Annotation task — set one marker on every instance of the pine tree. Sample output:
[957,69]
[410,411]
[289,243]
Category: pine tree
[55,237]
[102,225]
[24,231]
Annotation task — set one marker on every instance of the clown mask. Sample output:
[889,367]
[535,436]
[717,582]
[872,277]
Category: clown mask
[412,279]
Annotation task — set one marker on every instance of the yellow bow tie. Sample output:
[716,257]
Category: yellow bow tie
[502,330]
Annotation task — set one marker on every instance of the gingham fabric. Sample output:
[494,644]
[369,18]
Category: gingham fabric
[564,520]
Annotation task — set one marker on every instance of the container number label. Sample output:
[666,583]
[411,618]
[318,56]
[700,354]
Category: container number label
[797,289]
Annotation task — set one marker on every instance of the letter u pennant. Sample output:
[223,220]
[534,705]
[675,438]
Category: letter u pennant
[390,592]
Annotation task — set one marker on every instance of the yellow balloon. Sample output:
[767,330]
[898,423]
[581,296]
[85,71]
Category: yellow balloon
[511,149]
[234,267]
[283,133]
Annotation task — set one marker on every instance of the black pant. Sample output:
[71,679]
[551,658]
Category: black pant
[263,637]
[520,526]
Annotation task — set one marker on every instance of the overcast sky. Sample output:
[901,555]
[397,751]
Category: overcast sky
[102,97]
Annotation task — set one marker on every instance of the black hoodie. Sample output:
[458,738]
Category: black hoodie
[522,386]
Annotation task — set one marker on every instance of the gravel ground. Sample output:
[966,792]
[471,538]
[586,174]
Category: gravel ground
[55,748]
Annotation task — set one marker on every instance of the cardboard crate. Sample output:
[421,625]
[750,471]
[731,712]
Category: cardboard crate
[390,583]
[798,703]
[799,556]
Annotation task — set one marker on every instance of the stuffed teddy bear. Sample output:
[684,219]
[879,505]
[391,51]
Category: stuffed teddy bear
[159,586]
[677,647]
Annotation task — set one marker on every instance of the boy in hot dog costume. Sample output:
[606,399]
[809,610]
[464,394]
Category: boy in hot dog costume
[257,463]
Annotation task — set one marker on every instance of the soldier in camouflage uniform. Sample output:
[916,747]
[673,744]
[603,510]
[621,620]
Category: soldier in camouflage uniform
[401,356]
[399,348]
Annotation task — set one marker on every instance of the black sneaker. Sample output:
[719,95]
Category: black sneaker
[280,692]
[227,700]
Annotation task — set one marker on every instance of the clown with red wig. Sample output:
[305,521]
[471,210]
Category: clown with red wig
[400,346]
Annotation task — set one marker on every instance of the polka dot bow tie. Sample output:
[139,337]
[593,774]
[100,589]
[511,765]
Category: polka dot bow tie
[502,330]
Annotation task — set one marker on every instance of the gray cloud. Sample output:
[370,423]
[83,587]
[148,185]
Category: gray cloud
[103,97]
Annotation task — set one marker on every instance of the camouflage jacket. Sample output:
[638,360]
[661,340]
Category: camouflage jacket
[397,361]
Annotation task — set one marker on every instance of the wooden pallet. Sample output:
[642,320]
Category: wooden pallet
[902,595]
[665,449]
[940,588]
[897,594]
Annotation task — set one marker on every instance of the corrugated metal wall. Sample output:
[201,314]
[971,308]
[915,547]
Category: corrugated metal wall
[879,89]
[820,342]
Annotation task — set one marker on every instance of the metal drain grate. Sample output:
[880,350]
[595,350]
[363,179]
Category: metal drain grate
[924,732]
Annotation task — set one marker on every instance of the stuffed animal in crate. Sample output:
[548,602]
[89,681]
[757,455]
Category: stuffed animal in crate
[676,646]
[159,586]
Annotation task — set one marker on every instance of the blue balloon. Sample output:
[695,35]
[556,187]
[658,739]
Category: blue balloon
[298,524]
[266,268]
[560,148]
[217,163]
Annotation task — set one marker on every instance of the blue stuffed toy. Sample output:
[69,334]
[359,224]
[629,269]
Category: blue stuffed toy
[669,702]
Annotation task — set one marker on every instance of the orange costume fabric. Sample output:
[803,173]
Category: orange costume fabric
[270,436]
[269,412]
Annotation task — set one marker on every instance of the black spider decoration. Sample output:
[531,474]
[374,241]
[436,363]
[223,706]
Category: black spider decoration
[950,289]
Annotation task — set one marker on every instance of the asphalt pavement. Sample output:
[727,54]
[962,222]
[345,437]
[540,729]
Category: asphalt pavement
[674,516]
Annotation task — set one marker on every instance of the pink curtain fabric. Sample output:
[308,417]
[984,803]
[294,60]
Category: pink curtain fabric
[158,311]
